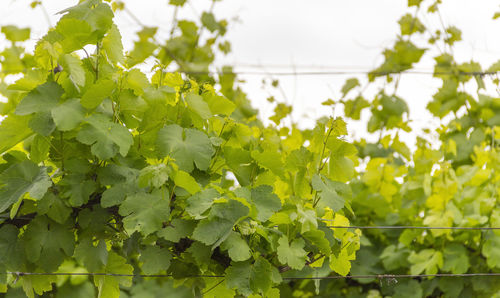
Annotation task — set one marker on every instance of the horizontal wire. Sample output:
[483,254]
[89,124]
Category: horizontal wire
[362,276]
[414,227]
[340,72]
[395,276]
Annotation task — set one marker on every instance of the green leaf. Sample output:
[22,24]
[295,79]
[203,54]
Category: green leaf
[109,286]
[208,20]
[219,105]
[12,256]
[106,138]
[237,247]
[196,103]
[330,192]
[48,243]
[209,231]
[353,107]
[409,25]
[341,263]
[318,238]
[414,2]
[223,216]
[78,189]
[68,114]
[39,149]
[270,160]
[491,250]
[292,254]
[200,202]
[39,284]
[428,260]
[349,85]
[98,15]
[177,229]
[137,81]
[238,277]
[14,34]
[280,111]
[93,257]
[112,45]
[186,181]
[263,276]
[186,146]
[155,259]
[41,99]
[42,123]
[456,259]
[247,278]
[13,129]
[21,178]
[154,176]
[408,289]
[75,33]
[177,2]
[73,66]
[96,93]
[266,202]
[144,212]
[54,207]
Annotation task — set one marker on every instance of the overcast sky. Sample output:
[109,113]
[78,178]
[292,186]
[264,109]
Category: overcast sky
[288,35]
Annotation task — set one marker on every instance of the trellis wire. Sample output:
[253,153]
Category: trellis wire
[361,276]
[414,227]
[339,72]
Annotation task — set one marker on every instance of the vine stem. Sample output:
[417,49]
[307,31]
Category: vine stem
[218,148]
[321,162]
[97,61]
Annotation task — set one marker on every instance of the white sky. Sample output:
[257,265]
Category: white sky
[292,34]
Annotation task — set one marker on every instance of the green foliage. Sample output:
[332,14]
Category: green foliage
[104,170]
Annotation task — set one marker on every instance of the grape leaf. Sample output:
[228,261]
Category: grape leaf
[196,103]
[105,137]
[73,66]
[186,181]
[456,259]
[428,260]
[97,93]
[154,176]
[12,256]
[13,129]
[266,202]
[222,217]
[75,33]
[248,278]
[270,160]
[219,105]
[112,45]
[21,178]
[155,259]
[14,34]
[41,99]
[177,229]
[331,193]
[200,202]
[47,243]
[68,114]
[237,247]
[292,253]
[186,146]
[144,212]
[107,285]
[491,250]
[93,257]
